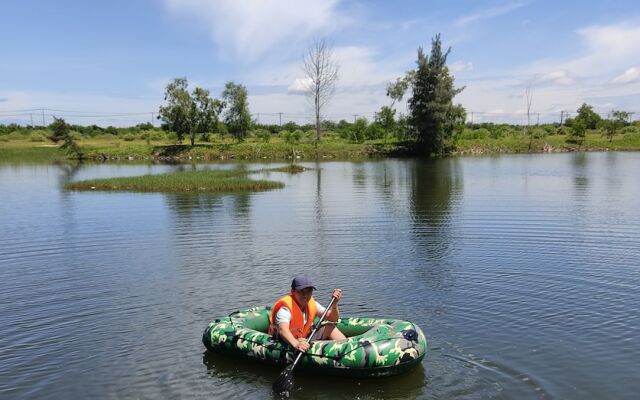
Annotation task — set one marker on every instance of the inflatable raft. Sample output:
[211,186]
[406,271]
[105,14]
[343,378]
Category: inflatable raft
[374,347]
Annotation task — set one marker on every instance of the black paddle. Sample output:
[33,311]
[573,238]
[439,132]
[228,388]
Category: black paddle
[284,382]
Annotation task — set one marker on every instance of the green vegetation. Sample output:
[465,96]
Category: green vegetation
[62,132]
[237,117]
[291,169]
[189,114]
[191,181]
[341,140]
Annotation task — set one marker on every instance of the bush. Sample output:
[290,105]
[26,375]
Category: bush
[564,130]
[374,131]
[106,136]
[475,134]
[128,137]
[4,138]
[36,137]
[539,133]
[157,135]
[263,134]
[18,135]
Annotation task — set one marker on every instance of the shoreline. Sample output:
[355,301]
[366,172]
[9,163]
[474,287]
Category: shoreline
[22,151]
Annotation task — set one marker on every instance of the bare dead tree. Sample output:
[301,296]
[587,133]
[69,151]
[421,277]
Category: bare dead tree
[528,94]
[321,71]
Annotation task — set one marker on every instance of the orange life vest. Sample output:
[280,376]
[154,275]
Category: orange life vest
[297,326]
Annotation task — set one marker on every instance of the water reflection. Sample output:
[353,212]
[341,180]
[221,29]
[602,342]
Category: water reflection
[435,187]
[237,373]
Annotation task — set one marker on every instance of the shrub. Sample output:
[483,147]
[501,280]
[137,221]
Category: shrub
[263,134]
[17,135]
[128,137]
[475,134]
[36,137]
[157,135]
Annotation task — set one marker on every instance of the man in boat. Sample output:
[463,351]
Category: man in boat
[292,316]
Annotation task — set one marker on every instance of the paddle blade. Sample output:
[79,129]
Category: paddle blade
[284,383]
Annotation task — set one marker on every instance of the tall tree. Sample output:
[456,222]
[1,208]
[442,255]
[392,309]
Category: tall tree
[189,114]
[321,71]
[587,117]
[62,132]
[237,116]
[617,121]
[206,112]
[431,105]
[528,94]
[177,112]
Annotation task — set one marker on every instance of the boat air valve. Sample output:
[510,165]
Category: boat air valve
[410,334]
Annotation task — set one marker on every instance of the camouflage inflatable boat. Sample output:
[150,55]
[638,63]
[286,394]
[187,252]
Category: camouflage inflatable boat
[374,347]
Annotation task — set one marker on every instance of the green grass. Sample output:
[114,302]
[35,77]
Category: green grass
[29,152]
[291,169]
[113,148]
[189,182]
[594,141]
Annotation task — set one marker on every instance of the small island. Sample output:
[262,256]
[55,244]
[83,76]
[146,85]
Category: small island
[205,181]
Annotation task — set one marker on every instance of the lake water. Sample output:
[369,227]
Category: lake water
[522,270]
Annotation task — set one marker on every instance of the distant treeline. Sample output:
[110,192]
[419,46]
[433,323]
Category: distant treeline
[360,131]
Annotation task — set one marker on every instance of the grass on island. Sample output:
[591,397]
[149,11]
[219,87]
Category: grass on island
[290,169]
[189,182]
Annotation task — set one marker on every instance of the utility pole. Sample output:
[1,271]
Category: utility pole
[258,118]
[43,118]
[561,117]
[280,114]
[152,119]
[354,118]
[31,115]
[472,118]
[538,120]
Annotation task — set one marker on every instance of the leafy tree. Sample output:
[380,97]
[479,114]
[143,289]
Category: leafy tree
[397,89]
[432,101]
[587,117]
[359,129]
[386,119]
[62,132]
[176,114]
[618,121]
[375,131]
[189,114]
[237,116]
[577,133]
[205,113]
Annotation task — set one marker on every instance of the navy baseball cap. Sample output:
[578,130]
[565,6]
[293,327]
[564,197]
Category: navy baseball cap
[302,282]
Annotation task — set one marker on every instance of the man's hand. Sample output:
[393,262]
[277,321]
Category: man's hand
[337,294]
[302,345]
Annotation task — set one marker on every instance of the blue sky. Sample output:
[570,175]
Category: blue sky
[115,57]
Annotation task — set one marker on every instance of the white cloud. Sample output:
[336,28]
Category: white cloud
[557,77]
[489,13]
[249,28]
[300,86]
[630,75]
[461,66]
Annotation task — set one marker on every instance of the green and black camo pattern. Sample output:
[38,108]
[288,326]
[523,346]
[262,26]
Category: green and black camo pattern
[386,347]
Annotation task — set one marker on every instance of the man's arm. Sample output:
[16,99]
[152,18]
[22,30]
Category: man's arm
[334,312]
[286,335]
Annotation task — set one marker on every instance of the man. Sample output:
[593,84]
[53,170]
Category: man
[292,315]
